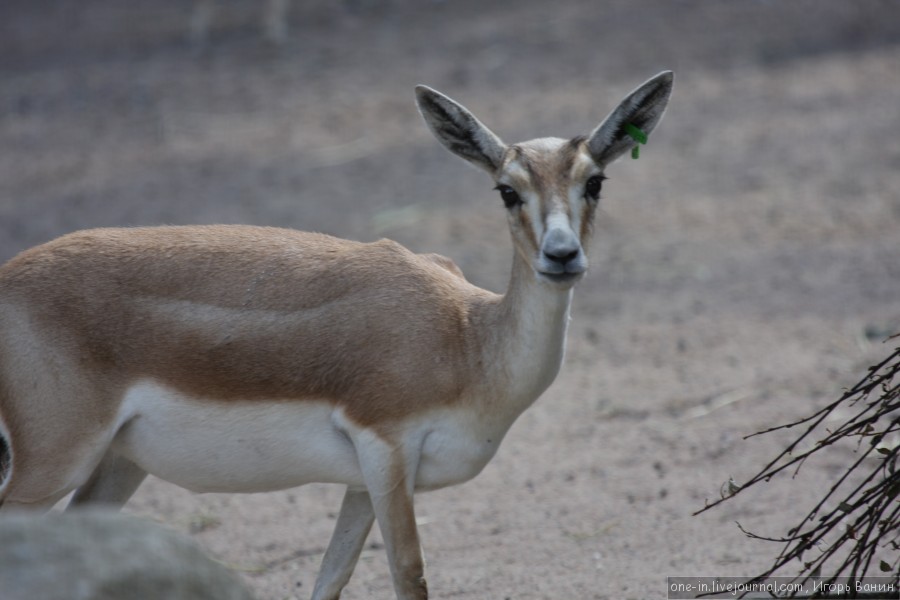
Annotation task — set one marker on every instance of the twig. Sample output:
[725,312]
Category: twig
[863,528]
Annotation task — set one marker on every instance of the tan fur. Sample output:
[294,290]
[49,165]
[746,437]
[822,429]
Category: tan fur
[243,312]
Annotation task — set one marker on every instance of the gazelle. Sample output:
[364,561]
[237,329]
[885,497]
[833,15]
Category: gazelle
[247,359]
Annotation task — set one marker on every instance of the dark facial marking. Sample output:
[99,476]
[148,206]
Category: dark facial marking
[528,228]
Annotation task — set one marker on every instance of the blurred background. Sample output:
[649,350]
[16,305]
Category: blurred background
[744,269]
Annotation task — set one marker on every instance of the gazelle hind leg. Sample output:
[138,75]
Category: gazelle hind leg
[112,483]
[353,525]
[7,503]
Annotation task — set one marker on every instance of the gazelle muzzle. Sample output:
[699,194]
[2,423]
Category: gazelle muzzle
[561,258]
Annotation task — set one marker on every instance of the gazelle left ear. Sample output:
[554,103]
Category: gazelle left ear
[642,109]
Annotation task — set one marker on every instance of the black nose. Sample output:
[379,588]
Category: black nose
[561,255]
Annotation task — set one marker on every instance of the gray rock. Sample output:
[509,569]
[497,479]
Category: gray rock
[105,556]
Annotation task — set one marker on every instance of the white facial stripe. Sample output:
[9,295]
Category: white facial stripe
[583,168]
[536,217]
[576,200]
[517,176]
[514,173]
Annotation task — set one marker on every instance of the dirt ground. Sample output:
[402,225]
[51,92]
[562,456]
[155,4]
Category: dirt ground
[744,270]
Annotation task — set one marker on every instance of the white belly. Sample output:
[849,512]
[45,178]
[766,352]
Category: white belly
[208,445]
[233,446]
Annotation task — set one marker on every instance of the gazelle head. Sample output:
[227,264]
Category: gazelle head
[550,186]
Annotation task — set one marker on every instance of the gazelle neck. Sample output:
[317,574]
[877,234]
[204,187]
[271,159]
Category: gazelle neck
[527,344]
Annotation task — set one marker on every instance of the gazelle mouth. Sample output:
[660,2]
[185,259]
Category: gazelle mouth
[561,278]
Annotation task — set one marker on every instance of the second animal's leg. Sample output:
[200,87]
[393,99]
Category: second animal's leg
[112,483]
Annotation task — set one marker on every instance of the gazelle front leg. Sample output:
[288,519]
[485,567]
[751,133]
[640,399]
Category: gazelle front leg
[353,525]
[389,471]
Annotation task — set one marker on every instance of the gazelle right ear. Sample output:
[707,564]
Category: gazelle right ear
[459,131]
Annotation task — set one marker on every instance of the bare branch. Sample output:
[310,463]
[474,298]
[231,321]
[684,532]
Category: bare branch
[861,531]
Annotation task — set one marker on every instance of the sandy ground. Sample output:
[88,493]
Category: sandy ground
[745,269]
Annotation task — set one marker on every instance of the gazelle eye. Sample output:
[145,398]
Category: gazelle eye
[510,197]
[592,187]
